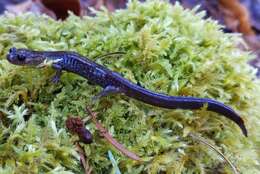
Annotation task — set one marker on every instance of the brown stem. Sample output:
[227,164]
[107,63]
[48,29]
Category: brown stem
[81,152]
[110,139]
[202,140]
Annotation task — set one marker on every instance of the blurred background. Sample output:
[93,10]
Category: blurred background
[237,16]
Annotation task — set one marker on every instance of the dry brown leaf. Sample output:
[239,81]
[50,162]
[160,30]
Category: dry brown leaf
[61,7]
[237,16]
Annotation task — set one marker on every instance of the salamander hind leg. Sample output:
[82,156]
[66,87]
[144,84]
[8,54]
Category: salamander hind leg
[106,91]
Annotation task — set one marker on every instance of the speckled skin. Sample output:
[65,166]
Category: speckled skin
[113,82]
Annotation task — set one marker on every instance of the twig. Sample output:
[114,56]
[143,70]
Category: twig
[110,139]
[200,139]
[109,54]
[85,164]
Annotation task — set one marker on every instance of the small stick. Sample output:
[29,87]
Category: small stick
[110,139]
[81,152]
[200,139]
[109,54]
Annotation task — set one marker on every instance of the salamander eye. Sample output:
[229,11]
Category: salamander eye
[21,57]
[12,50]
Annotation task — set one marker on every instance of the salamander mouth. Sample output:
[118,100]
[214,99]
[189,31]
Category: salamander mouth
[9,58]
[12,58]
[11,55]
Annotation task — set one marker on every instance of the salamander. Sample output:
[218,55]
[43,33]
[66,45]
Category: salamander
[113,82]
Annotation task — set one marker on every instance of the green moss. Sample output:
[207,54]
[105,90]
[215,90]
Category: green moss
[169,50]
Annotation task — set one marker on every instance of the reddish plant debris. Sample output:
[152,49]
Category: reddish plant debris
[76,126]
[110,139]
[83,159]
[61,7]
[58,9]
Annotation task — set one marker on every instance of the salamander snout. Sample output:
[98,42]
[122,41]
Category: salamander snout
[11,55]
[16,57]
[23,57]
[12,50]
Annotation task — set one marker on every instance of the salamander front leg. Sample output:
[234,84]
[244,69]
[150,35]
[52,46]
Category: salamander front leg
[106,91]
[56,77]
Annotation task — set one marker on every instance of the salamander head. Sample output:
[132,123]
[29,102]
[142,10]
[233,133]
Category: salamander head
[24,57]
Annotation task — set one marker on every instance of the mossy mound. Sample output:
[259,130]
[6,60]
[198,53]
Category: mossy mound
[169,50]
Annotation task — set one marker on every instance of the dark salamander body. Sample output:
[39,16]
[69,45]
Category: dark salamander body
[113,82]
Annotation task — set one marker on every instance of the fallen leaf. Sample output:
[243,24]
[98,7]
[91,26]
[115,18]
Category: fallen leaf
[239,15]
[62,7]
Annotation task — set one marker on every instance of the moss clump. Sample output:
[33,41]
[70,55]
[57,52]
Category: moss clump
[169,50]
